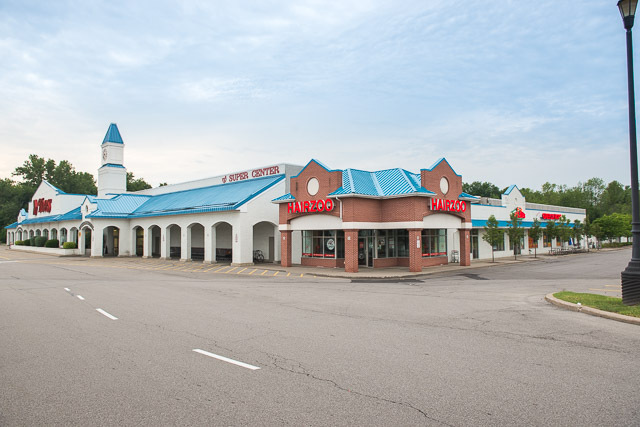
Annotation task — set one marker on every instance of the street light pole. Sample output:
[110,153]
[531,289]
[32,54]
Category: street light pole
[631,274]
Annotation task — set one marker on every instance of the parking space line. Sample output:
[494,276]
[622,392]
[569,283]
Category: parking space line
[263,272]
[254,270]
[226,359]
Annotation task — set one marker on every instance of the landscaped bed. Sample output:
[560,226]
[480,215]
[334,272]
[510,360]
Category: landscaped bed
[601,302]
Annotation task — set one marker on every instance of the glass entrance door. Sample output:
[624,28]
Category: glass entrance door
[365,251]
[474,244]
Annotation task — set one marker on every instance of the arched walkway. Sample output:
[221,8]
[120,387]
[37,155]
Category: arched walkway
[111,241]
[174,241]
[155,235]
[85,241]
[195,242]
[264,240]
[138,238]
[222,235]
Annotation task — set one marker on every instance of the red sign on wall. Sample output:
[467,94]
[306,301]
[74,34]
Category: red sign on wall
[256,173]
[310,206]
[41,205]
[551,216]
[448,205]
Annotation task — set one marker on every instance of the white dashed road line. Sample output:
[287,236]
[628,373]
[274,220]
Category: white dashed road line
[67,289]
[226,359]
[110,316]
[80,297]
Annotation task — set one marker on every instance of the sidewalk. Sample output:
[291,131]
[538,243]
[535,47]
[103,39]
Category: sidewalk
[395,272]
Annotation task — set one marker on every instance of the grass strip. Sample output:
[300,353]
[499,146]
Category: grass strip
[601,302]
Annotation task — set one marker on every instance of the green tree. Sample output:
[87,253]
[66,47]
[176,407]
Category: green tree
[492,234]
[578,230]
[551,230]
[563,230]
[515,232]
[481,189]
[136,184]
[535,232]
[63,175]
[614,226]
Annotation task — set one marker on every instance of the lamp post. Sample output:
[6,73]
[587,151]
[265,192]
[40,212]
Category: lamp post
[631,274]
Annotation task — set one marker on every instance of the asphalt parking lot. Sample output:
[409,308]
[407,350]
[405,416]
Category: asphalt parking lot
[125,341]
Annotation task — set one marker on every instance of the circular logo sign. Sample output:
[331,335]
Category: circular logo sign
[331,244]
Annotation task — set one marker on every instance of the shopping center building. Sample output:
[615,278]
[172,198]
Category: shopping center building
[293,215]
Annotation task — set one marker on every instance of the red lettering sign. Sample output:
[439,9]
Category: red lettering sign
[256,173]
[551,216]
[519,213]
[41,205]
[448,205]
[310,206]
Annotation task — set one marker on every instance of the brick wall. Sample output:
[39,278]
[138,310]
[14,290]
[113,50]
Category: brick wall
[285,248]
[351,251]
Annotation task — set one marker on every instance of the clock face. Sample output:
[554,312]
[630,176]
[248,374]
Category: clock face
[104,154]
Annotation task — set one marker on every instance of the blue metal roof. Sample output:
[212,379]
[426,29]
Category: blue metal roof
[113,135]
[286,198]
[120,206]
[71,215]
[111,165]
[467,196]
[510,189]
[222,197]
[385,183]
[14,225]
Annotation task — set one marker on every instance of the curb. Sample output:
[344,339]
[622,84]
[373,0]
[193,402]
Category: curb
[592,311]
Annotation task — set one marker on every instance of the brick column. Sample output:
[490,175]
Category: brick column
[415,250]
[465,246]
[285,248]
[351,251]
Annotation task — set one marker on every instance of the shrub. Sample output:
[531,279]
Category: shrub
[69,245]
[40,241]
[19,243]
[53,243]
[616,244]
[32,241]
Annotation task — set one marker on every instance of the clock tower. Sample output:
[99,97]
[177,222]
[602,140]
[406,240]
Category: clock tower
[112,175]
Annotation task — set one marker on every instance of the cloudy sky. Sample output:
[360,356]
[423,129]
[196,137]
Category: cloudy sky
[511,92]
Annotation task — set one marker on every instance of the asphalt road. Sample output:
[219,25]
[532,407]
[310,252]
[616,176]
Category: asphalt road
[472,347]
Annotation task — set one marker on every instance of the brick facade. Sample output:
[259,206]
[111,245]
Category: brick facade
[410,209]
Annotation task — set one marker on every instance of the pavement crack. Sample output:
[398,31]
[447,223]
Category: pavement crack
[277,362]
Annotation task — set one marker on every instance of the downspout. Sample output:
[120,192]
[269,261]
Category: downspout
[336,197]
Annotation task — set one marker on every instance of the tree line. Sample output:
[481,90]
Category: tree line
[15,194]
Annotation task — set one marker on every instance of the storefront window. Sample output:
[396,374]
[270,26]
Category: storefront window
[403,243]
[434,243]
[500,245]
[546,240]
[323,244]
[381,243]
